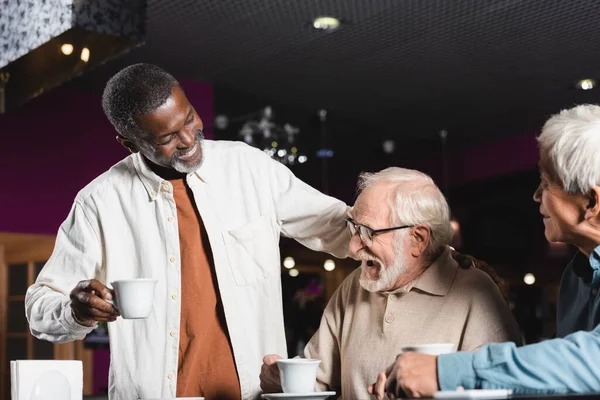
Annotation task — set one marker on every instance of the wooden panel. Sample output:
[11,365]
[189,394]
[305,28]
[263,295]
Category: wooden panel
[16,335]
[42,350]
[20,247]
[17,279]
[64,351]
[87,358]
[16,348]
[76,351]
[16,320]
[33,251]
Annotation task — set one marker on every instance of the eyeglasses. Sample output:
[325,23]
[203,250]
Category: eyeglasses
[366,234]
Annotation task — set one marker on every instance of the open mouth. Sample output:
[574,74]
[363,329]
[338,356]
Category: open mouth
[373,269]
[190,154]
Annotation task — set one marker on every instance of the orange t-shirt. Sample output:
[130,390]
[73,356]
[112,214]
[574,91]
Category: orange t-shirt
[206,364]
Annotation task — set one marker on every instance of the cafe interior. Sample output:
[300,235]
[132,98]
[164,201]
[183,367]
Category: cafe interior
[458,89]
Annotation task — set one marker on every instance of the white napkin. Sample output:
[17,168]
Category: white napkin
[46,380]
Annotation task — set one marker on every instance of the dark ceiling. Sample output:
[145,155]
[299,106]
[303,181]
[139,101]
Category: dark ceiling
[401,69]
[479,68]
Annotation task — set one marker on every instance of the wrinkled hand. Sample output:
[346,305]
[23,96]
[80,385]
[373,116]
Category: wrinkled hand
[269,374]
[411,375]
[88,301]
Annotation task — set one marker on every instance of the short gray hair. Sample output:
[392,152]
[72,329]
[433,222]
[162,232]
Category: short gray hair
[415,200]
[135,90]
[571,142]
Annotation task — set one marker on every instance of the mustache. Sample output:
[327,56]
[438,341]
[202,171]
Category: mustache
[199,138]
[365,255]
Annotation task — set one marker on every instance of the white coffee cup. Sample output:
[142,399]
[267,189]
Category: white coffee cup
[434,349]
[298,375]
[134,297]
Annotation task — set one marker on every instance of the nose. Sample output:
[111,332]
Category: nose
[187,137]
[355,244]
[537,195]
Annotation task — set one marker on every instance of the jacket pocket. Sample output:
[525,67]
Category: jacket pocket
[253,251]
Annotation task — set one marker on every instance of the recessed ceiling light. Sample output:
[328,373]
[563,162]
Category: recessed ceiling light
[85,54]
[66,49]
[326,23]
[586,84]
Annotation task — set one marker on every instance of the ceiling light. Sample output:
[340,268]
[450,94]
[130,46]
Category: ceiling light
[389,146]
[85,54]
[66,49]
[586,84]
[302,159]
[326,23]
[529,279]
[294,272]
[329,265]
[289,262]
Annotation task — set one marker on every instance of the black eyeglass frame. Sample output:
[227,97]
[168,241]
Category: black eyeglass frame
[372,232]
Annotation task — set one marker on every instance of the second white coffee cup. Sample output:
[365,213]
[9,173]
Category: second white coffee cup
[298,375]
[134,297]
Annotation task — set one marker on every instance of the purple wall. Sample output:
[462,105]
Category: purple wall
[507,156]
[101,365]
[53,146]
[503,157]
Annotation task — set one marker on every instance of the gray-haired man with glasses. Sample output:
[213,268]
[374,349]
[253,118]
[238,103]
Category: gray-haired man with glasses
[408,290]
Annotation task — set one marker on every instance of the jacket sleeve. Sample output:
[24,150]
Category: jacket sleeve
[307,215]
[553,366]
[77,256]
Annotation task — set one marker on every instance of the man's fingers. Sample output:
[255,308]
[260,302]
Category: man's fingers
[389,369]
[89,306]
[94,302]
[100,289]
[96,287]
[86,312]
[102,305]
[271,359]
[399,390]
[269,374]
[379,386]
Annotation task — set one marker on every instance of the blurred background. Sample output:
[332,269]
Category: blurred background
[456,88]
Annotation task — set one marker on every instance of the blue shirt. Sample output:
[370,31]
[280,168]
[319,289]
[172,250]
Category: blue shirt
[570,363]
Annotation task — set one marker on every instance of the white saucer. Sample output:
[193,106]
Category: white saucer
[299,396]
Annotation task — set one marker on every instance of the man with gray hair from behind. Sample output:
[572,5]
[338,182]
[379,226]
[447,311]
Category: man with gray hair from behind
[569,200]
[408,291]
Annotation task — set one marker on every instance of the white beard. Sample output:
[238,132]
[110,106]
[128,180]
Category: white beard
[387,276]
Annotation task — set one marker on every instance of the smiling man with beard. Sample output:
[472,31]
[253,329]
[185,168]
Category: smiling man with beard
[407,291]
[201,217]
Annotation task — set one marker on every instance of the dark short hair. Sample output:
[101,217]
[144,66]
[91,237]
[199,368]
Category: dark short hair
[135,90]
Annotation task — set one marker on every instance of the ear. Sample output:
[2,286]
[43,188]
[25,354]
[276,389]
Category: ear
[127,143]
[592,207]
[420,237]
